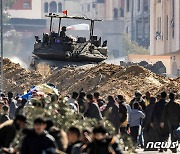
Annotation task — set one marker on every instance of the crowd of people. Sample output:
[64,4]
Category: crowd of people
[144,119]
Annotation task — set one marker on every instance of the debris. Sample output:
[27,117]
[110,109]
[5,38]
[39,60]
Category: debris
[108,79]
[18,79]
[111,79]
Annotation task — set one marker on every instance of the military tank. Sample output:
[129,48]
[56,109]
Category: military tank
[56,46]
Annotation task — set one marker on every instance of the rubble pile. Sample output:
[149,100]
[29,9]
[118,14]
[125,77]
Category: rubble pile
[108,79]
[18,79]
[111,79]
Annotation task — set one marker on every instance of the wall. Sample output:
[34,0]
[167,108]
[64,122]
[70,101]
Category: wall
[152,59]
[166,43]
[138,21]
[34,13]
[19,5]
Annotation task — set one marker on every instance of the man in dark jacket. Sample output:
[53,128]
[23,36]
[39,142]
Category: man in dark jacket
[38,141]
[8,132]
[102,144]
[93,110]
[137,99]
[149,134]
[75,144]
[171,116]
[162,133]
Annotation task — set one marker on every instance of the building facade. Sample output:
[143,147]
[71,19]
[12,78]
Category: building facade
[137,19]
[103,9]
[92,8]
[57,6]
[165,31]
[37,9]
[26,9]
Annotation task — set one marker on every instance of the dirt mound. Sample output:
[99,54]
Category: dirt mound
[18,79]
[108,79]
[111,80]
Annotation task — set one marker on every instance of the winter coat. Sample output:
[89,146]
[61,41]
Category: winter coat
[122,112]
[4,118]
[158,111]
[82,104]
[148,112]
[106,146]
[74,148]
[113,116]
[171,114]
[38,144]
[93,111]
[7,134]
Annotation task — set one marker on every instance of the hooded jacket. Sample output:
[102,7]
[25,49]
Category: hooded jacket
[38,144]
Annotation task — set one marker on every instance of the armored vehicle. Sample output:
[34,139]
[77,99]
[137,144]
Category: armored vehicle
[58,46]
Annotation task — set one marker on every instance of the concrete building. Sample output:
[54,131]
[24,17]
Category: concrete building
[26,9]
[57,6]
[92,8]
[104,9]
[137,19]
[114,9]
[165,31]
[37,9]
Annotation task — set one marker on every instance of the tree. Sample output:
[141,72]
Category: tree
[133,48]
[6,4]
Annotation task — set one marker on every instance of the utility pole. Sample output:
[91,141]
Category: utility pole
[2,68]
[132,16]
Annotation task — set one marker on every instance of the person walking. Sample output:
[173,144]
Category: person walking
[38,141]
[82,102]
[149,133]
[171,116]
[8,130]
[147,98]
[74,140]
[162,132]
[136,115]
[102,144]
[93,110]
[123,115]
[12,105]
[138,99]
[98,100]
[112,113]
[73,102]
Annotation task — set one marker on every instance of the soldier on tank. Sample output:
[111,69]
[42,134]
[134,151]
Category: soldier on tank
[63,32]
